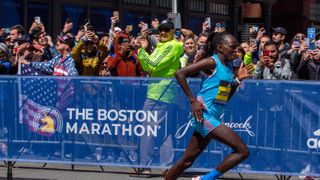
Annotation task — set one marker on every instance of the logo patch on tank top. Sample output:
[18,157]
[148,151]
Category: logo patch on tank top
[223,93]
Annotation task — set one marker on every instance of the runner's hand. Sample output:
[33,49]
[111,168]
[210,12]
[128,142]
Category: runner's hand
[197,108]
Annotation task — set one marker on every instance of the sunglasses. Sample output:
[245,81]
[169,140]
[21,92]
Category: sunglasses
[165,30]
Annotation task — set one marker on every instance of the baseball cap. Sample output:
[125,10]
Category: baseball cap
[25,38]
[280,30]
[67,40]
[117,29]
[166,25]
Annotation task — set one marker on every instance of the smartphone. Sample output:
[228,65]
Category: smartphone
[255,29]
[218,25]
[37,19]
[116,14]
[208,21]
[68,20]
[266,53]
[296,42]
[307,41]
[87,21]
[178,34]
[90,28]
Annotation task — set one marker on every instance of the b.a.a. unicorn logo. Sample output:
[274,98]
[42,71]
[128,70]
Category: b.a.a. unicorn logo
[47,121]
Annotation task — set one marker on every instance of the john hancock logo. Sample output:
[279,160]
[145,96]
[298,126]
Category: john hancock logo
[47,121]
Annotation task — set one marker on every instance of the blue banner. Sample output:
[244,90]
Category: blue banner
[119,122]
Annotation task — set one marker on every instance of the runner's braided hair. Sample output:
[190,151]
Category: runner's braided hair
[214,40]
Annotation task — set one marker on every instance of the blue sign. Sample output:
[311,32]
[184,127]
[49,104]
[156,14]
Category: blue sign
[110,121]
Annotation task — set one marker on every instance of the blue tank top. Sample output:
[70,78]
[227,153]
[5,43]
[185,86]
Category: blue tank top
[215,89]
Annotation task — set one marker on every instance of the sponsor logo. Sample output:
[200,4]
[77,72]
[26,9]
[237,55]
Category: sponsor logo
[236,126]
[47,121]
[314,143]
[242,126]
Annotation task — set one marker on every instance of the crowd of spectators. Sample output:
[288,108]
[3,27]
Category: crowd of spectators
[120,53]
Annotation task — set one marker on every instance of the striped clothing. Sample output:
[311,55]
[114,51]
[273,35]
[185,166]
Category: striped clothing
[163,62]
[57,66]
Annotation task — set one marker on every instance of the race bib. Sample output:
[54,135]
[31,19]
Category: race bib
[223,93]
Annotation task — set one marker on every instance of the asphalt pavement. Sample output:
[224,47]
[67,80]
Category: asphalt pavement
[34,171]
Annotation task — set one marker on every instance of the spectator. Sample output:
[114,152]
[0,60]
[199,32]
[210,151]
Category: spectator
[298,48]
[5,64]
[309,67]
[163,62]
[16,32]
[278,37]
[202,41]
[24,51]
[124,61]
[61,65]
[89,54]
[271,65]
[262,41]
[190,49]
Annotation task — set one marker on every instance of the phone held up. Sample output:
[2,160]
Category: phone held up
[37,19]
[116,14]
[208,21]
[68,20]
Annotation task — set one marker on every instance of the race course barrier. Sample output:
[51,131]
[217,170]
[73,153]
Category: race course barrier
[111,122]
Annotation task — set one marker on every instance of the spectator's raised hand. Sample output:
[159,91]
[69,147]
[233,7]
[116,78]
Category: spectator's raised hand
[67,27]
[261,32]
[114,20]
[205,27]
[303,48]
[155,23]
[244,71]
[316,54]
[253,47]
[49,40]
[34,25]
[140,42]
[42,28]
[23,61]
[80,34]
[306,56]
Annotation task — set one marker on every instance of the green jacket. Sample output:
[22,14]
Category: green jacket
[163,62]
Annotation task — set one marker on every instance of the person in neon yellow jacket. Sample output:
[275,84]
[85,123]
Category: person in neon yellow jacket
[163,62]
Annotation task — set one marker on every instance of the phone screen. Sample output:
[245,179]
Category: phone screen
[218,25]
[37,19]
[208,21]
[116,14]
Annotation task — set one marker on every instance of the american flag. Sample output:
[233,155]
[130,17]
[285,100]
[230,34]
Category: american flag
[42,93]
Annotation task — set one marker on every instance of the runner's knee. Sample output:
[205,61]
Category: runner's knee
[244,152]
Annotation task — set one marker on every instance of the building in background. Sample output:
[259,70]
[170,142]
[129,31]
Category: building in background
[296,16]
[235,15]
